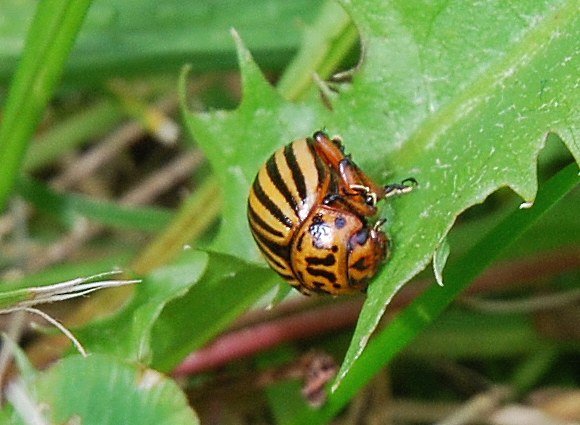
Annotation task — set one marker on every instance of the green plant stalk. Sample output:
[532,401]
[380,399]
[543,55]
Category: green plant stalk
[88,123]
[67,207]
[50,39]
[532,369]
[12,298]
[194,217]
[326,44]
[467,335]
[425,309]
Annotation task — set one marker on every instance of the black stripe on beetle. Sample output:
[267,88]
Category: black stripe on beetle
[300,240]
[265,226]
[330,276]
[270,205]
[320,168]
[297,174]
[281,251]
[274,174]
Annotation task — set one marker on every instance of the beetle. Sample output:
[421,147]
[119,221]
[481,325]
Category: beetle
[309,209]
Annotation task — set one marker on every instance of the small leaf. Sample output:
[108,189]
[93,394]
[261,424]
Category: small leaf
[226,290]
[102,390]
[439,261]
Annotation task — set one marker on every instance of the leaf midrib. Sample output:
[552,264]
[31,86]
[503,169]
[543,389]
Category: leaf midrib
[473,95]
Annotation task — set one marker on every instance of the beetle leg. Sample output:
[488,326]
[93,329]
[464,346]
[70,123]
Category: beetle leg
[379,224]
[355,179]
[331,198]
[370,196]
[405,186]
[338,143]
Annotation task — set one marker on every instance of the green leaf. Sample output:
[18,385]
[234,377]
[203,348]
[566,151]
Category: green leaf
[102,390]
[228,288]
[238,143]
[458,95]
[127,334]
[178,308]
[478,126]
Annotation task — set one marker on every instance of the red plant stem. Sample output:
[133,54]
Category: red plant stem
[259,337]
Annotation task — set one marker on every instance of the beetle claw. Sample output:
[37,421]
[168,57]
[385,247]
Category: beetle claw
[405,186]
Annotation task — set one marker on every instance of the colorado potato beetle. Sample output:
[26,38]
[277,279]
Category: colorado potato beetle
[308,209]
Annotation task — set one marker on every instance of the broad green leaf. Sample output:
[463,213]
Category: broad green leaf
[458,95]
[102,390]
[228,288]
[474,117]
[127,334]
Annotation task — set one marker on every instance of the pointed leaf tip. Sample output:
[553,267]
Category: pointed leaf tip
[251,74]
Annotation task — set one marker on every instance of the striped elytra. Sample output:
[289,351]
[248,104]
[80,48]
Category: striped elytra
[308,209]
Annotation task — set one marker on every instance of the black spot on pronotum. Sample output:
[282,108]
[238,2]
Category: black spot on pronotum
[340,222]
[320,233]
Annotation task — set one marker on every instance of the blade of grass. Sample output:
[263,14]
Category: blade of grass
[50,38]
[325,45]
[92,122]
[194,218]
[132,38]
[409,323]
[69,206]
